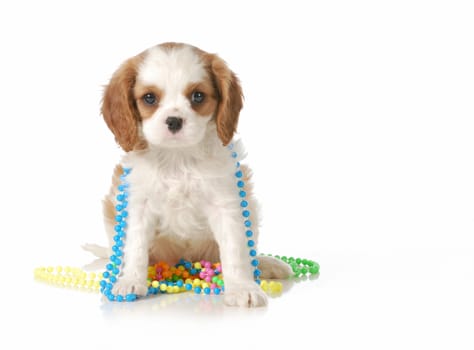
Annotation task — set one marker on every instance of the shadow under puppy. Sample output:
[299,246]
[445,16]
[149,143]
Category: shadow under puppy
[173,108]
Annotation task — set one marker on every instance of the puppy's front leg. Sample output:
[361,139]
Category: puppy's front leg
[240,286]
[135,259]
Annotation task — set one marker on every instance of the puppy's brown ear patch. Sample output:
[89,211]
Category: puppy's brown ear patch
[119,107]
[230,97]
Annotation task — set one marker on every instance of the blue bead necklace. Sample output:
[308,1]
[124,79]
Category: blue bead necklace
[112,269]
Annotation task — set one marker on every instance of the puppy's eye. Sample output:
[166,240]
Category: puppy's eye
[149,98]
[197,97]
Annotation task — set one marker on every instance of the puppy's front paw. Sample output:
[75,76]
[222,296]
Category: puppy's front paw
[245,295]
[126,286]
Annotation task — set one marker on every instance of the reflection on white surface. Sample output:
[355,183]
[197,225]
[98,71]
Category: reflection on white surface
[191,303]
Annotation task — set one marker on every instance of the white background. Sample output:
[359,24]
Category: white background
[359,125]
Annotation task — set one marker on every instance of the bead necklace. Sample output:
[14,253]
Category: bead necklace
[246,215]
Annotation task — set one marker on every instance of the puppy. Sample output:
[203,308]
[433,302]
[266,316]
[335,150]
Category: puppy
[173,108]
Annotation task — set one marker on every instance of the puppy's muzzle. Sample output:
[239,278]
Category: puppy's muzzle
[174,124]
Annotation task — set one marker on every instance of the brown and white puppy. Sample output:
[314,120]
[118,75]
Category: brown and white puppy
[173,109]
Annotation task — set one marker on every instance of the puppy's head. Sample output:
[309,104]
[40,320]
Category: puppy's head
[169,96]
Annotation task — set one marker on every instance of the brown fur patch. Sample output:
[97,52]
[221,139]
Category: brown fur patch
[119,107]
[208,106]
[145,110]
[230,96]
[171,45]
[108,204]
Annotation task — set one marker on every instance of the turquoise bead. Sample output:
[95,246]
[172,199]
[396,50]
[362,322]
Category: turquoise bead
[131,297]
[245,213]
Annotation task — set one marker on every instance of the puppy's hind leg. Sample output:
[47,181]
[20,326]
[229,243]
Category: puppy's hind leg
[109,223]
[273,268]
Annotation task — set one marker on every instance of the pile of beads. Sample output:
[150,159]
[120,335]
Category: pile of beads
[68,277]
[201,277]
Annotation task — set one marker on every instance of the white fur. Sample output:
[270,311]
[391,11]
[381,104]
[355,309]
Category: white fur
[172,71]
[183,196]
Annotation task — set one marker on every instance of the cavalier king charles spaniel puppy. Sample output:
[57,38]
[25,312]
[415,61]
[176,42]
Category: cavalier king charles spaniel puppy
[173,109]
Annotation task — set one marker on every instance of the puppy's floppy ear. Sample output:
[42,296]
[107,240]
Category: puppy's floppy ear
[119,108]
[229,95]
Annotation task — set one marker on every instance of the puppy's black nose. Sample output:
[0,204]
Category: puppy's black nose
[174,124]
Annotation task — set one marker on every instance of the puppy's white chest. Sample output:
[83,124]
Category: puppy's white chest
[179,207]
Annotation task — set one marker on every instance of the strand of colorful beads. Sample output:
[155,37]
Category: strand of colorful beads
[202,277]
